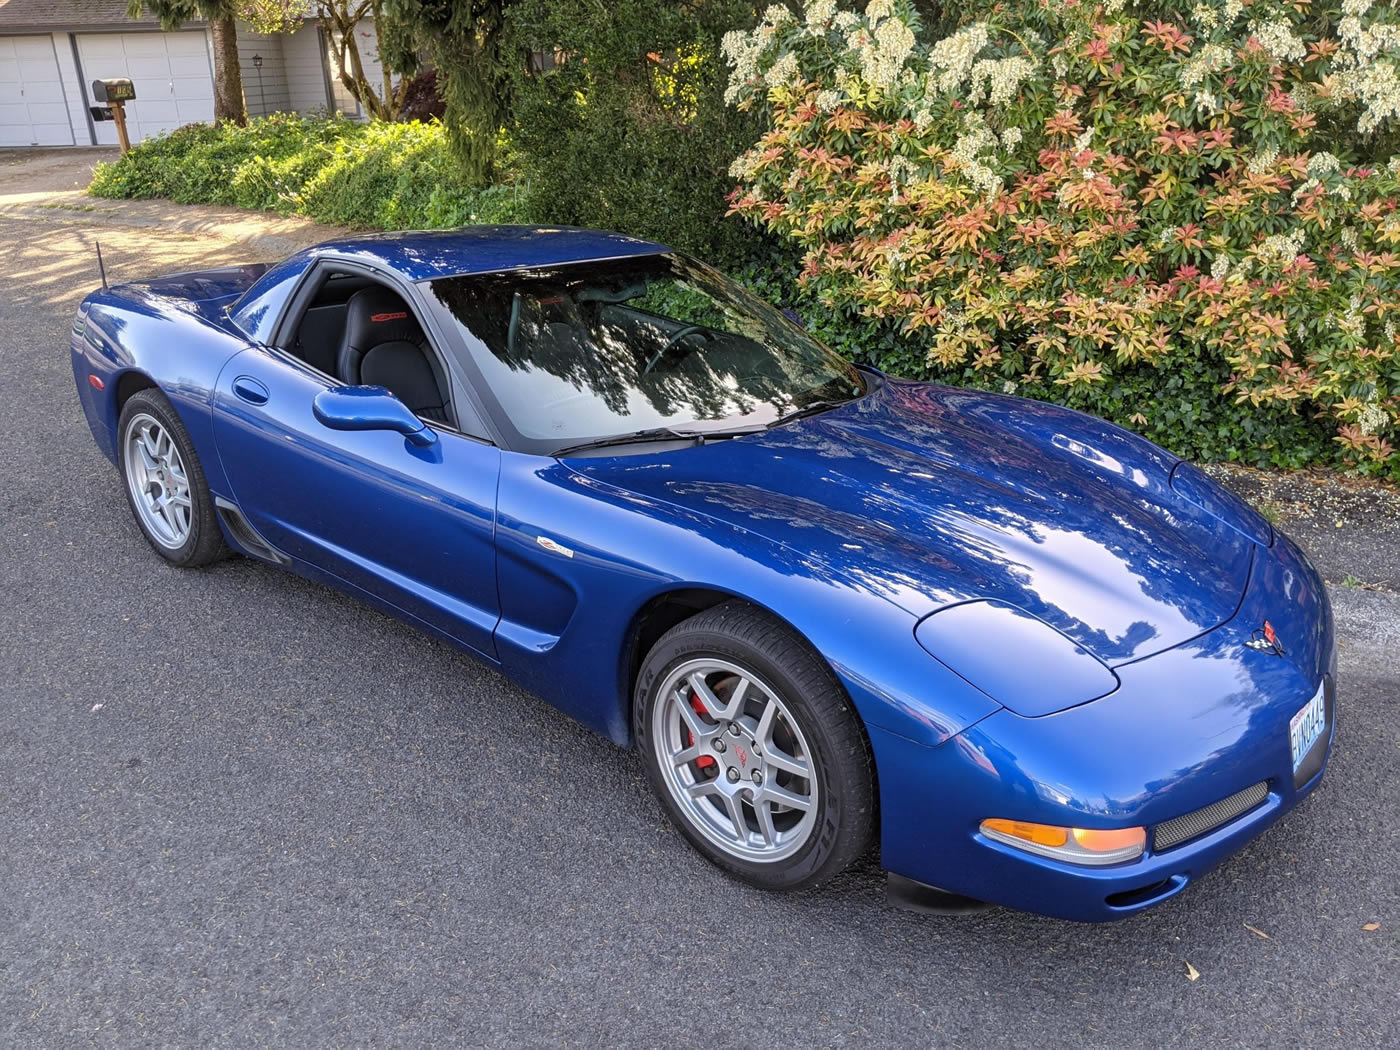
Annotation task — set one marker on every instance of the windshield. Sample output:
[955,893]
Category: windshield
[591,351]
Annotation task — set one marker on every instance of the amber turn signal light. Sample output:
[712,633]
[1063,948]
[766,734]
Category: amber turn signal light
[1074,845]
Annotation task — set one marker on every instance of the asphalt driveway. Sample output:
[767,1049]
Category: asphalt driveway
[238,809]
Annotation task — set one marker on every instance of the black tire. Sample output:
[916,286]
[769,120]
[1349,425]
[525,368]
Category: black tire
[204,543]
[739,634]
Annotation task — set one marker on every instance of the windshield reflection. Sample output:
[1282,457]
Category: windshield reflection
[598,350]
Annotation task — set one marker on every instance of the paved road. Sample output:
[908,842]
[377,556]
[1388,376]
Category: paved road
[295,822]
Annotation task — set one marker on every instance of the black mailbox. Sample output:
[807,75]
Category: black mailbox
[113,90]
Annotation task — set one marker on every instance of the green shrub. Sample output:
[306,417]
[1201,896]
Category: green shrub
[377,176]
[630,132]
[1180,217]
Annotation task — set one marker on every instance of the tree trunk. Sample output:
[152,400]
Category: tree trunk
[228,77]
[340,22]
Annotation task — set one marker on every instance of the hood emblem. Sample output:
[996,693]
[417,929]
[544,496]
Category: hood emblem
[1265,640]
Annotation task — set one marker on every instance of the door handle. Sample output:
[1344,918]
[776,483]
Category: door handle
[250,390]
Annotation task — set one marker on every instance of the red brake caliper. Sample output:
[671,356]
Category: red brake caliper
[704,761]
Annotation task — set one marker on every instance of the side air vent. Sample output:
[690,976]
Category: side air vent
[1182,829]
[245,535]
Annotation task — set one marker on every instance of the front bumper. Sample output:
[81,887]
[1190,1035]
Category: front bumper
[1187,728]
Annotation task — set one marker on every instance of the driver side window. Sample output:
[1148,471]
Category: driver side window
[360,332]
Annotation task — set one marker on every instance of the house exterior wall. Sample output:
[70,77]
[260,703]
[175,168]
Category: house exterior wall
[303,60]
[264,90]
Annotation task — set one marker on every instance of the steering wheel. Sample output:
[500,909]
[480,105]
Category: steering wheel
[684,333]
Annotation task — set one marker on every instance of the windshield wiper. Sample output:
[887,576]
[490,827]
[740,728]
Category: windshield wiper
[638,437]
[810,409]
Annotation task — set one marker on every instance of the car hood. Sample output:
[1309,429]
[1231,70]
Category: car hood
[204,292]
[930,496]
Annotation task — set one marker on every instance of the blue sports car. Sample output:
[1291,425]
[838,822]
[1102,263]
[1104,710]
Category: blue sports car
[1031,657]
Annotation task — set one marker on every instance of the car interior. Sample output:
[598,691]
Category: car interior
[361,332]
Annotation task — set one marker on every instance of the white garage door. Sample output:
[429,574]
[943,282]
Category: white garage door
[172,74]
[32,110]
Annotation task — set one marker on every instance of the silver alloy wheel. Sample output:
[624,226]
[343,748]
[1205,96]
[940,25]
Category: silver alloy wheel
[155,474]
[735,760]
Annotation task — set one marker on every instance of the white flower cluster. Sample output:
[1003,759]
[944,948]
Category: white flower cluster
[1231,12]
[952,58]
[968,151]
[784,71]
[1351,322]
[1366,42]
[744,51]
[741,50]
[1281,247]
[1211,58]
[743,165]
[1320,165]
[903,171]
[1378,88]
[1276,36]
[1010,138]
[1367,63]
[1205,16]
[1206,103]
[1349,239]
[820,12]
[878,9]
[882,60]
[776,15]
[828,100]
[1262,162]
[1081,143]
[1373,419]
[997,79]
[1220,266]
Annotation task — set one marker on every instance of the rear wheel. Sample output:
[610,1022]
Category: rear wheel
[165,484]
[754,749]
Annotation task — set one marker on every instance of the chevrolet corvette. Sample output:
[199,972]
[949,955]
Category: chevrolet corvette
[1029,657]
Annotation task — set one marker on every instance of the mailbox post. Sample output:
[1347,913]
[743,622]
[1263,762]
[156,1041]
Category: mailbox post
[116,94]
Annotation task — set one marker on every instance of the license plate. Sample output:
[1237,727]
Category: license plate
[1306,726]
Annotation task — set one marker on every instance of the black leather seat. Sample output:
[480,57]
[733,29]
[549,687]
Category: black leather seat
[384,346]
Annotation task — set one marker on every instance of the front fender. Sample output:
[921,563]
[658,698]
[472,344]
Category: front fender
[579,558]
[118,333]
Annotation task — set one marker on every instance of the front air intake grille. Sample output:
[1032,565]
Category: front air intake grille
[1179,829]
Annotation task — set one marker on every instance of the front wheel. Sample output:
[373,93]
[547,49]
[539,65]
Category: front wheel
[754,749]
[165,484]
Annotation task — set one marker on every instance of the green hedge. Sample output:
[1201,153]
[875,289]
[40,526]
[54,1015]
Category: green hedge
[380,175]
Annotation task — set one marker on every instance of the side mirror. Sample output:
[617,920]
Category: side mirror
[369,408]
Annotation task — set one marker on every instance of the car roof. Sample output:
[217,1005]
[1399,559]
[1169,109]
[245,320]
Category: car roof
[424,255]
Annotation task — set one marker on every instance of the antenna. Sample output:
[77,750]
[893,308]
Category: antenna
[100,268]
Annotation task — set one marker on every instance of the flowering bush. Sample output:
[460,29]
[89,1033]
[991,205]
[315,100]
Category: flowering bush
[1181,221]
